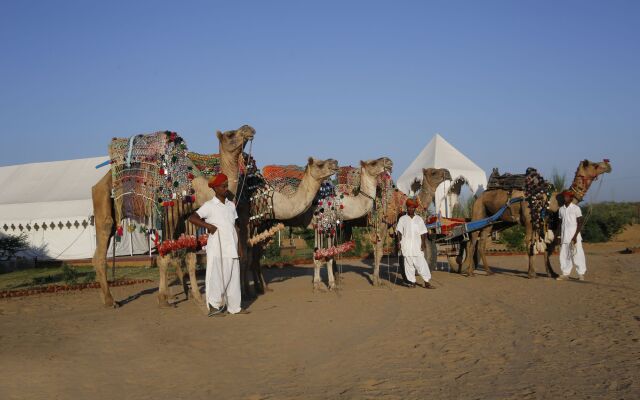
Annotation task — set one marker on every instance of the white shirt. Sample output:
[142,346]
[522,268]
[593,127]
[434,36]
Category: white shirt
[223,216]
[411,229]
[570,217]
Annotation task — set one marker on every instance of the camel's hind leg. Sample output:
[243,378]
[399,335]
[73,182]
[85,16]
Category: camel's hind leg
[103,217]
[547,260]
[191,261]
[177,263]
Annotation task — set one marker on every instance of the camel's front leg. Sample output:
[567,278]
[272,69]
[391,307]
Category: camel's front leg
[377,257]
[331,277]
[482,249]
[471,249]
[163,289]
[317,281]
[191,261]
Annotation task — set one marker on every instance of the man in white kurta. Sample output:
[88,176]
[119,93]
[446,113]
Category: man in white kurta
[571,252]
[412,229]
[222,282]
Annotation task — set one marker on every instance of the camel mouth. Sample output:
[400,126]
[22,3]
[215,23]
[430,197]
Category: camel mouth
[388,165]
[447,175]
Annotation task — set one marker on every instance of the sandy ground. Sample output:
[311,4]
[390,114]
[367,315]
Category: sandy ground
[502,336]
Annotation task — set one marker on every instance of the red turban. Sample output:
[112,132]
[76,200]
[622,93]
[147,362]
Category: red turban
[412,203]
[568,193]
[217,180]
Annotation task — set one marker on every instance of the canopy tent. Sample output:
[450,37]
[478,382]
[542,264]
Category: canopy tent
[439,153]
[50,202]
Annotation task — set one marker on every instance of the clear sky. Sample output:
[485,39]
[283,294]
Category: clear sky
[511,84]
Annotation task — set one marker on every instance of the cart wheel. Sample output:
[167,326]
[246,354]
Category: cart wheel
[432,254]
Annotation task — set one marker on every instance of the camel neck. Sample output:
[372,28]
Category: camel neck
[285,208]
[359,205]
[229,167]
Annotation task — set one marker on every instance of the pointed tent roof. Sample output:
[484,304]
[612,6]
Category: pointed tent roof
[439,153]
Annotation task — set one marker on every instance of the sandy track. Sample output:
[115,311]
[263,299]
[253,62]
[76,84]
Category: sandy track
[486,337]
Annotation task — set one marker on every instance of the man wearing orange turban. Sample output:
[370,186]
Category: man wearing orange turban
[222,282]
[412,233]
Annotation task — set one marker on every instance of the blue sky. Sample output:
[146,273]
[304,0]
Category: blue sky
[511,84]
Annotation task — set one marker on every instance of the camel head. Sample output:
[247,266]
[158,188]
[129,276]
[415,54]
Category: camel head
[586,173]
[432,177]
[376,167]
[234,141]
[321,169]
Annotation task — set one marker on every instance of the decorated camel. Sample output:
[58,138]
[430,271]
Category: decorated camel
[354,201]
[490,201]
[380,209]
[280,198]
[154,180]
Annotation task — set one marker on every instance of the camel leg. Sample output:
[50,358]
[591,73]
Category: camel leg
[103,217]
[191,261]
[482,247]
[317,280]
[471,249]
[547,260]
[177,264]
[258,275]
[377,257]
[332,280]
[163,289]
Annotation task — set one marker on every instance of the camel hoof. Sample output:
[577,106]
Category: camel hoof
[197,299]
[163,303]
[267,289]
[332,287]
[532,276]
[319,287]
[489,273]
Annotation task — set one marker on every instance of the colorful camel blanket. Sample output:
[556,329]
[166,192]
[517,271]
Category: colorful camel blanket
[283,178]
[149,171]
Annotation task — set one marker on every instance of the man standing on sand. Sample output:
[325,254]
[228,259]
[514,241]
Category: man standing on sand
[222,283]
[412,233]
[571,251]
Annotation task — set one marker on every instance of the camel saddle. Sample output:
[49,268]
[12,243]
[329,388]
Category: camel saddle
[506,181]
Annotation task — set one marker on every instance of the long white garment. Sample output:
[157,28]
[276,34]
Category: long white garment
[569,216]
[417,263]
[571,255]
[412,230]
[222,283]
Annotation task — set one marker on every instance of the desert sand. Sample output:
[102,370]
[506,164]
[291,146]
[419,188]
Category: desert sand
[488,337]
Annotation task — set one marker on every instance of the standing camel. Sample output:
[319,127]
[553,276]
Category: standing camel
[231,144]
[489,202]
[355,207]
[289,209]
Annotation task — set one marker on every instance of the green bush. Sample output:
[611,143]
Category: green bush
[272,251]
[604,220]
[69,275]
[513,237]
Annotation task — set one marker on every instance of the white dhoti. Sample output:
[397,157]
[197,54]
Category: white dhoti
[569,258]
[222,283]
[419,264]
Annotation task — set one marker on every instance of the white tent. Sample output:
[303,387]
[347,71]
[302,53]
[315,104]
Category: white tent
[51,203]
[439,153]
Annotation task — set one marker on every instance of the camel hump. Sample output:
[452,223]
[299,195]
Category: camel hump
[149,169]
[283,178]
